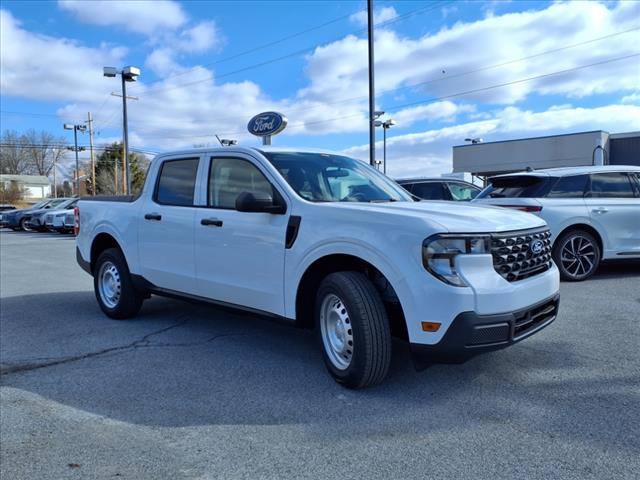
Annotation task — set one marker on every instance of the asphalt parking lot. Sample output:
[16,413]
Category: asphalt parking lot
[193,391]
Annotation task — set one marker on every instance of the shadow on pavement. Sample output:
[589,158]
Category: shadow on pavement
[181,364]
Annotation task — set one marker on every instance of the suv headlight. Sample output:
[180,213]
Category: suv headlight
[439,252]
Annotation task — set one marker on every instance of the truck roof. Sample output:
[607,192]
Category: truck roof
[566,171]
[247,150]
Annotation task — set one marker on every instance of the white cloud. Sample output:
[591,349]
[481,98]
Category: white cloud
[338,69]
[200,38]
[379,15]
[633,98]
[445,110]
[429,153]
[161,61]
[138,16]
[70,72]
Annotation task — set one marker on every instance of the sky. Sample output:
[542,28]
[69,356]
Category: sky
[445,71]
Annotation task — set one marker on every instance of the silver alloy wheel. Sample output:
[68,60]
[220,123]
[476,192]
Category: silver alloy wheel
[578,256]
[109,285]
[336,330]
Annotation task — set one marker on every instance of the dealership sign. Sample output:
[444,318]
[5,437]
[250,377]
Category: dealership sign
[266,125]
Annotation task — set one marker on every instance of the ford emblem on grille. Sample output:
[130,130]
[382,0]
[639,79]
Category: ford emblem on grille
[536,247]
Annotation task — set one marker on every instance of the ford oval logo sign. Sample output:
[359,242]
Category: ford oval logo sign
[536,247]
[267,124]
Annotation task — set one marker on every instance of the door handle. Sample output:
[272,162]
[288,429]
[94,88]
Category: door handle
[211,222]
[153,216]
[600,210]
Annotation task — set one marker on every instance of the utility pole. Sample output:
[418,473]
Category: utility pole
[93,163]
[55,185]
[372,92]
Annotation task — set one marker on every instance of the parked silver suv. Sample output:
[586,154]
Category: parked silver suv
[593,212]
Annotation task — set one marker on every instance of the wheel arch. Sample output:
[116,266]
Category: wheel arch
[340,262]
[100,243]
[586,227]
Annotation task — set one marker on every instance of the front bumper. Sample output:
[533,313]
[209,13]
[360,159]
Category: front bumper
[471,334]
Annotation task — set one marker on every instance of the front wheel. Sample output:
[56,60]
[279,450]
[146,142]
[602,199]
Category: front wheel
[113,286]
[577,255]
[353,330]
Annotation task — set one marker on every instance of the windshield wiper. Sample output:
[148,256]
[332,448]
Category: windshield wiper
[382,200]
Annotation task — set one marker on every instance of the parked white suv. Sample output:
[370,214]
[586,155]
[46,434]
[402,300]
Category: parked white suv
[593,212]
[319,239]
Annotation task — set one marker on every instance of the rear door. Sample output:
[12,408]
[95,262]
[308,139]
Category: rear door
[614,207]
[166,227]
[239,255]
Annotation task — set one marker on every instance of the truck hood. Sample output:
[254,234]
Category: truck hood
[453,217]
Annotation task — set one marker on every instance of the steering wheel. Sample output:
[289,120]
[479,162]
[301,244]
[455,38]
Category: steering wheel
[354,197]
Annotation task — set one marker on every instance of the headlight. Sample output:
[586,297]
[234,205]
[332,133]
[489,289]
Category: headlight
[439,252]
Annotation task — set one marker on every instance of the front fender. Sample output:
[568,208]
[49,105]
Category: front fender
[360,249]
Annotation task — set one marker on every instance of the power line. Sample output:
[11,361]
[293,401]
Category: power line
[444,97]
[296,53]
[461,74]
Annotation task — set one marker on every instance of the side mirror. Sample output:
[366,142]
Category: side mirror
[259,202]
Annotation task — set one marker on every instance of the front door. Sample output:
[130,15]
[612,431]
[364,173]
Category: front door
[166,227]
[239,255]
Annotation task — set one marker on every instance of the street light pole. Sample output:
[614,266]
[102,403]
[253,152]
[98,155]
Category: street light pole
[384,149]
[372,90]
[125,138]
[128,74]
[75,141]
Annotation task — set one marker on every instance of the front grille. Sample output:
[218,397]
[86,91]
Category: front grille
[513,257]
[488,334]
[530,320]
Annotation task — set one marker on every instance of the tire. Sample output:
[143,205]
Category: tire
[113,286]
[349,313]
[577,255]
[23,225]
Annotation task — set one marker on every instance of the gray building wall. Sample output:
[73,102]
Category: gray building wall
[570,150]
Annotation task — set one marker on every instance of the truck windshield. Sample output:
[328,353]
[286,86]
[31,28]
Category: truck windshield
[320,177]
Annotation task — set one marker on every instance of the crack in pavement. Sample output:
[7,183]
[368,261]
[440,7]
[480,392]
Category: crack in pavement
[143,342]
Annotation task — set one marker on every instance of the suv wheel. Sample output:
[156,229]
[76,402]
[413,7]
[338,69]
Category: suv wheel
[353,330]
[577,255]
[113,287]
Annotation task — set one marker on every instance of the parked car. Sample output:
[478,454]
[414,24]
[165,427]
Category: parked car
[35,220]
[593,212]
[60,221]
[317,238]
[5,208]
[441,189]
[17,219]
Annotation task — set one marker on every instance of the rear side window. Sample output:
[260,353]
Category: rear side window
[462,192]
[176,182]
[518,186]
[407,186]
[569,187]
[429,190]
[611,185]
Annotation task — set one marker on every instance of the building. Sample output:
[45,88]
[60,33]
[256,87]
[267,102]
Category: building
[35,187]
[574,149]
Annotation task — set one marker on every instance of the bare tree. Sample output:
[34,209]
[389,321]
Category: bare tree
[43,150]
[105,183]
[13,158]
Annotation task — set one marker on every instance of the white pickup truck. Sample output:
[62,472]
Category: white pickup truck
[322,241]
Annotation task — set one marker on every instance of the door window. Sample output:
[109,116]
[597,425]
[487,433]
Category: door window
[462,192]
[229,177]
[611,185]
[569,187]
[429,190]
[176,182]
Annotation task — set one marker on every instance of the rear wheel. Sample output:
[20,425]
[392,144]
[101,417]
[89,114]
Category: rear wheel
[113,286]
[577,255]
[353,330]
